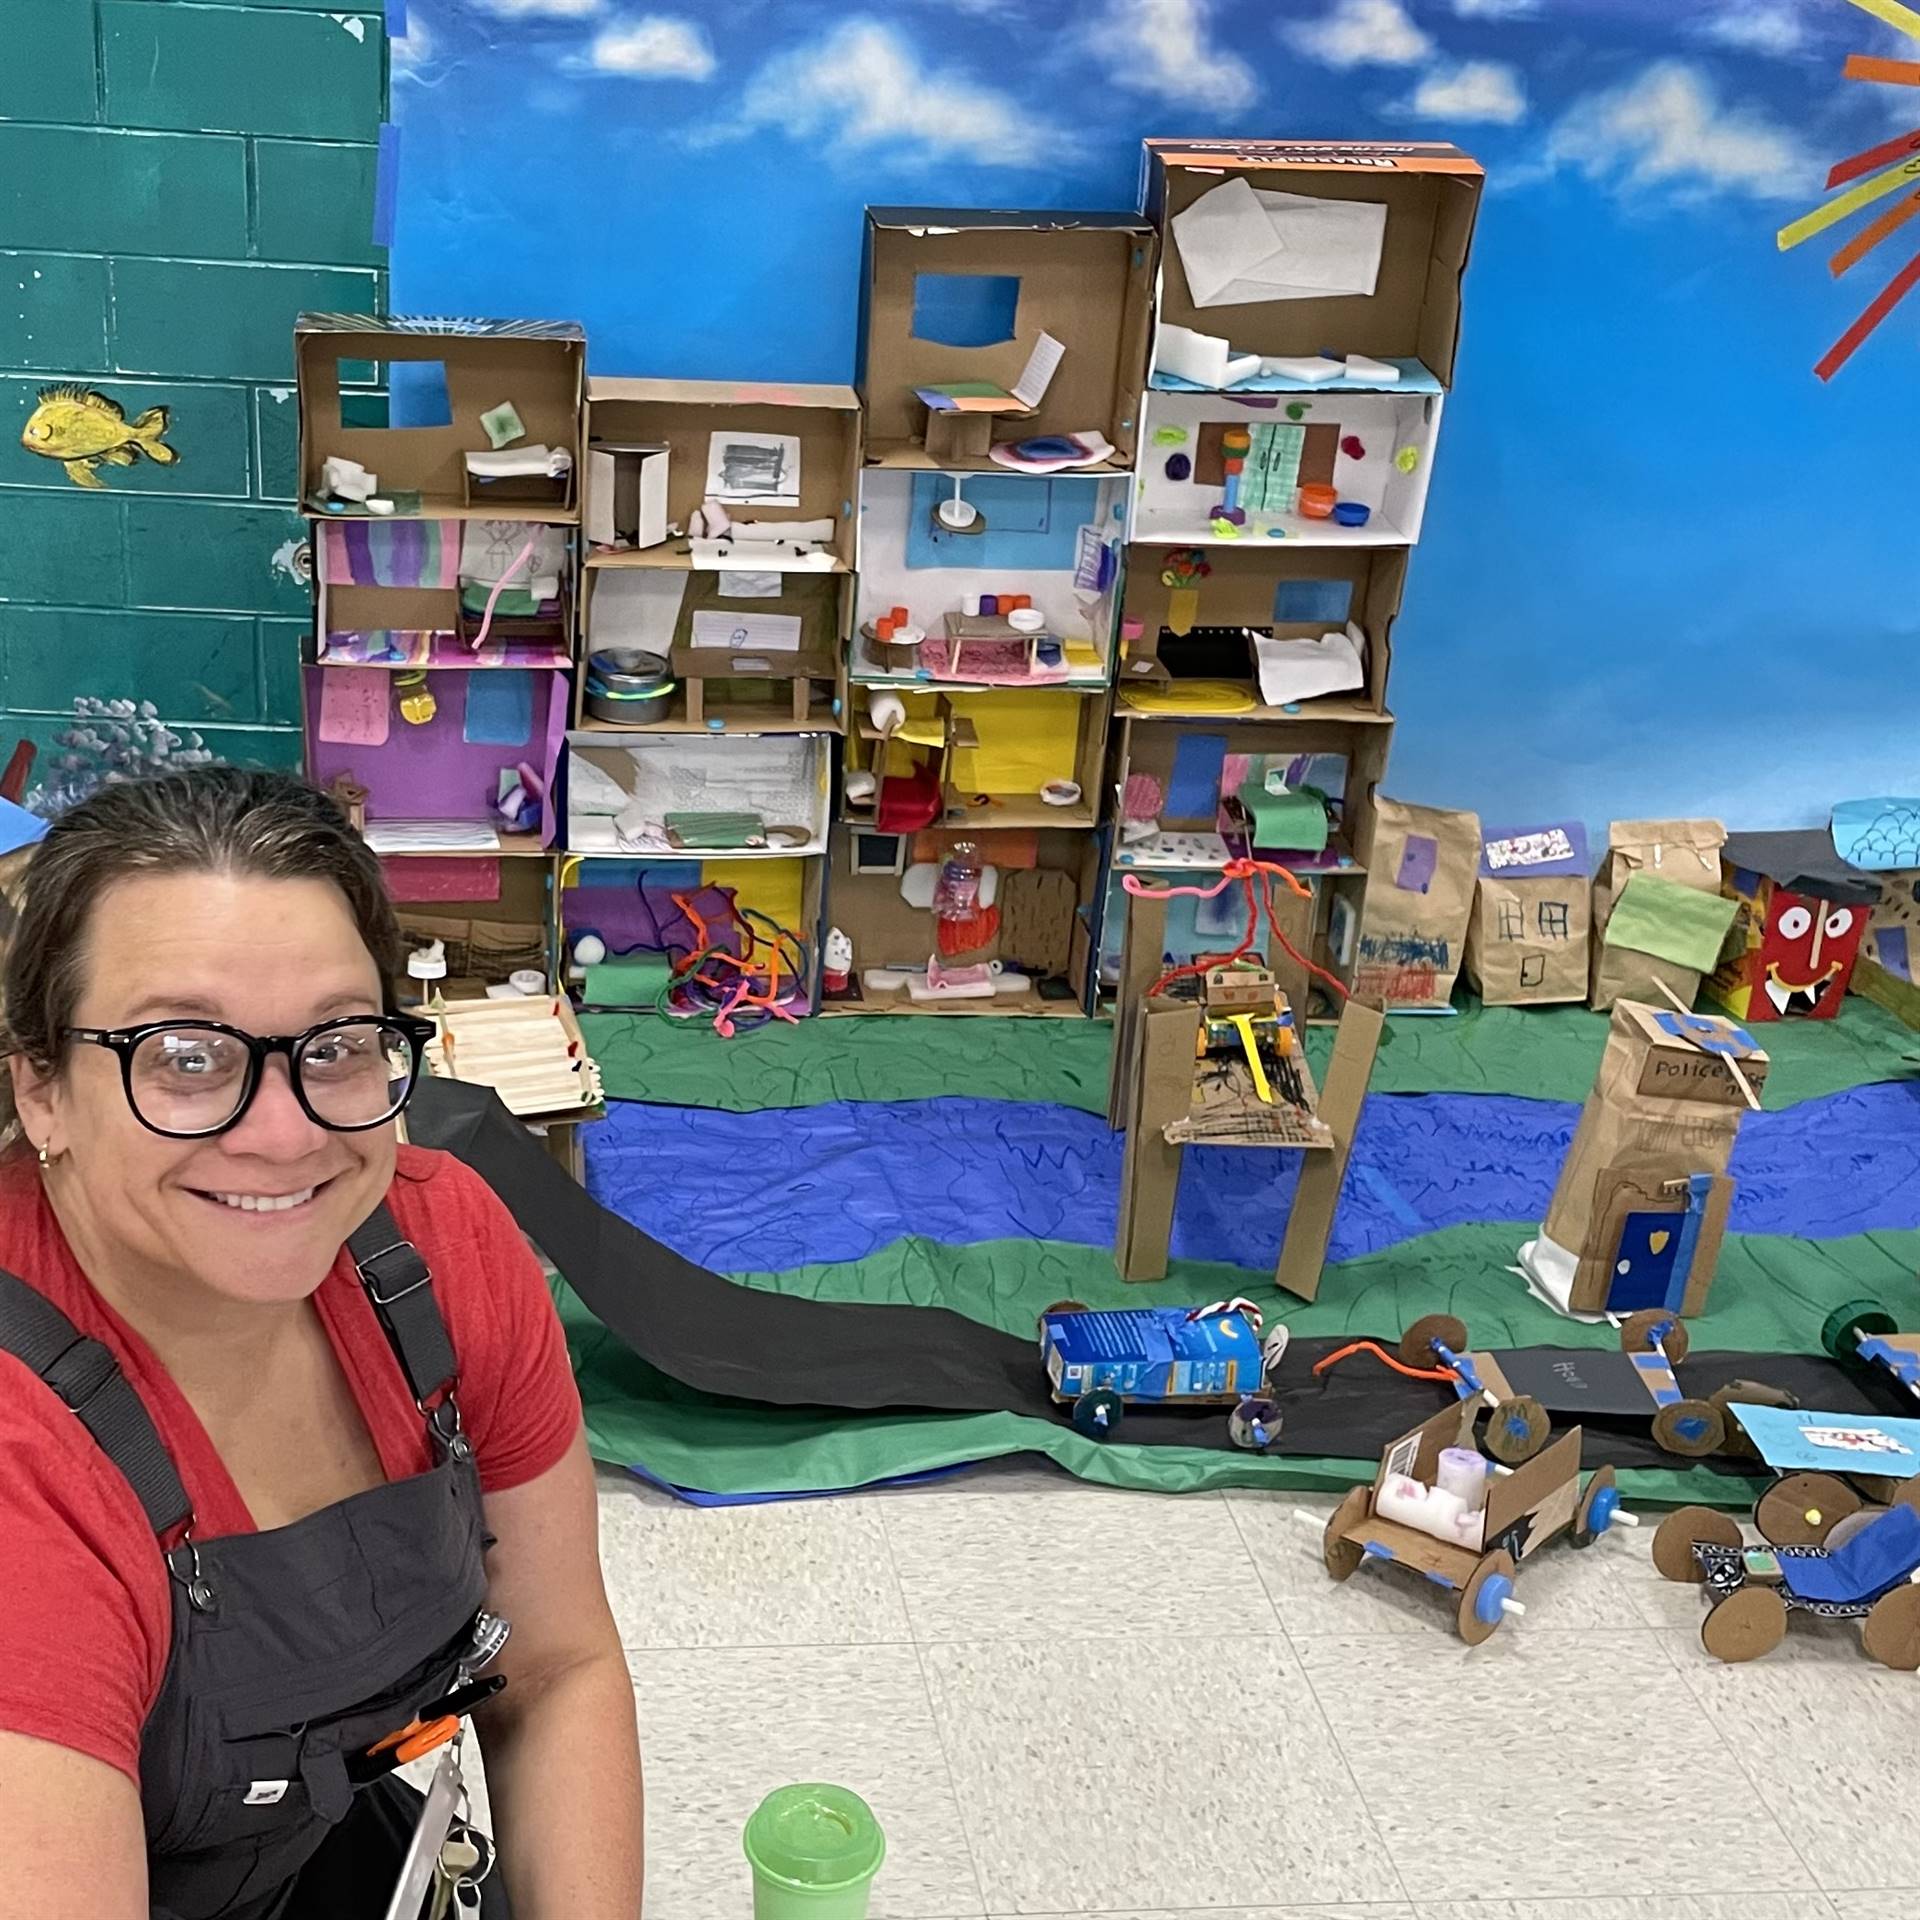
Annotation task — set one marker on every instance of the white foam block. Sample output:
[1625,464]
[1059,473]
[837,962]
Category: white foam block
[1241,366]
[1199,357]
[1376,372]
[1313,368]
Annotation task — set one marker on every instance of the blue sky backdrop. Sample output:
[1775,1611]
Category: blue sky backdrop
[1664,569]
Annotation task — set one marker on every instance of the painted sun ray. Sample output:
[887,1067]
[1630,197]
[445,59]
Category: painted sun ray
[1876,230]
[1876,310]
[1889,73]
[1902,19]
[1866,160]
[1837,209]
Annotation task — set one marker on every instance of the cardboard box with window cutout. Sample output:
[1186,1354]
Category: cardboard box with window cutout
[1038,929]
[537,366]
[682,417]
[1431,193]
[936,308]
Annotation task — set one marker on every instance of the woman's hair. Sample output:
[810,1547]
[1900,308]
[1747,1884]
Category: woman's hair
[213,820]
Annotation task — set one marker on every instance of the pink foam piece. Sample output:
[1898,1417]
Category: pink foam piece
[1142,797]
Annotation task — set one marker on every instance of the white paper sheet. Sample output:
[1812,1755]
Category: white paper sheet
[748,586]
[1304,669]
[634,607]
[723,556]
[1239,244]
[747,632]
[1042,364]
[758,469]
[431,836]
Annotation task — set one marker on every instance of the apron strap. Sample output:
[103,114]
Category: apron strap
[88,1379]
[400,1285]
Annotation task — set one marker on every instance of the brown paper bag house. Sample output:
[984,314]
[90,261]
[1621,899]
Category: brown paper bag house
[1685,852]
[1527,941]
[1413,924]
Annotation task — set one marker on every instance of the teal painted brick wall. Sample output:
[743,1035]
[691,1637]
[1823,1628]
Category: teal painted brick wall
[177,181]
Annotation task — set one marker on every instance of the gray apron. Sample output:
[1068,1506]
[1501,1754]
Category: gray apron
[292,1649]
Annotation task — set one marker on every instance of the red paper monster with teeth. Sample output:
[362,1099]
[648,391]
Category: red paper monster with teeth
[1802,915]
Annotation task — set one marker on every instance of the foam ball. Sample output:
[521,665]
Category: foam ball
[589,950]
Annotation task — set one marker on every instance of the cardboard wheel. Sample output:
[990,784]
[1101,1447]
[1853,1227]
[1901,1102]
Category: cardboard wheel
[1845,1327]
[1691,1428]
[1907,1494]
[1097,1413]
[1750,1393]
[1495,1566]
[1598,1504]
[1637,1330]
[1416,1344]
[1674,1538]
[1800,1510]
[1893,1629]
[1343,1558]
[1516,1430]
[1749,1622]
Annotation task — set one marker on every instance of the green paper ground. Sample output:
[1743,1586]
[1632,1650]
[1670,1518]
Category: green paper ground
[1771,1295]
[1542,1053]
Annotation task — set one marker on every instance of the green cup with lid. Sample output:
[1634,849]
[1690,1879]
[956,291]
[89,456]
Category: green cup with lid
[814,1851]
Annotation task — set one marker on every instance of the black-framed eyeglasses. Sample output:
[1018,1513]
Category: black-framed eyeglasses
[189,1079]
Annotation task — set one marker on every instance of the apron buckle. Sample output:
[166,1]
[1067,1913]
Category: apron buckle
[444,1420]
[200,1594]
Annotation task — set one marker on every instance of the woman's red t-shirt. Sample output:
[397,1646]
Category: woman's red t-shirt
[85,1612]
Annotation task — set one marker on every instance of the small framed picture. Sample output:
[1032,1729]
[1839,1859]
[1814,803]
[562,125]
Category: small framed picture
[879,853]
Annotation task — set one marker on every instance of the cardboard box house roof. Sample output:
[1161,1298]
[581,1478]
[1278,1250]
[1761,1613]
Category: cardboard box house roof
[1338,279]
[1802,861]
[963,294]
[538,366]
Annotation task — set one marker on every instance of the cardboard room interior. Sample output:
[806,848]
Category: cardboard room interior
[459,761]
[1005,757]
[746,796]
[1020,943]
[1322,469]
[1051,541]
[493,918]
[1198,620]
[774,456]
[712,650]
[624,922]
[535,369]
[961,297]
[1315,271]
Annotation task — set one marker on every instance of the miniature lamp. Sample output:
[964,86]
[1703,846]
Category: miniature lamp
[958,515]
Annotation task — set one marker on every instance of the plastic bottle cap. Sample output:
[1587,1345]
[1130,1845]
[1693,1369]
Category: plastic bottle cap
[528,980]
[814,1837]
[1026,619]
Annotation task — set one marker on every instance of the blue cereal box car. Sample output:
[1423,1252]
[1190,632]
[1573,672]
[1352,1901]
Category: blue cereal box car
[1099,1363]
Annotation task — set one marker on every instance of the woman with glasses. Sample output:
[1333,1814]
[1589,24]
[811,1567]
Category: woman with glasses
[292,1474]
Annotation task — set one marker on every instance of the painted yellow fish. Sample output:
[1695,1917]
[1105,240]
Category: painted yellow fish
[84,429]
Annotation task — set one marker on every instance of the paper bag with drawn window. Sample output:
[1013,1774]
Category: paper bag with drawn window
[1627,1129]
[1527,940]
[1413,922]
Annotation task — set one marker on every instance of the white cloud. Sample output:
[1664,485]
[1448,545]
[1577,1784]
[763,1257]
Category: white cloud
[1757,26]
[653,47]
[1359,33]
[862,86]
[410,55]
[1496,9]
[1166,50]
[1667,129]
[1474,90]
[541,9]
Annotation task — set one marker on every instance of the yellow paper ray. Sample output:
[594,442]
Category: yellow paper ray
[1901,19]
[1836,209]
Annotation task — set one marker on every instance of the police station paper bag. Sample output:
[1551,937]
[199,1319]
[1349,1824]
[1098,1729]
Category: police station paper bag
[1413,924]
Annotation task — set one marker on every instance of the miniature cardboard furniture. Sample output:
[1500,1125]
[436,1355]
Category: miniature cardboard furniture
[436,753]
[493,918]
[1527,940]
[1523,1511]
[998,758]
[1199,1068]
[1051,542]
[536,366]
[1256,618]
[773,454]
[958,298]
[628,921]
[1801,915]
[1206,458]
[1419,901]
[1027,950]
[1281,278]
[751,796]
[529,1049]
[1641,1205]
[1194,793]
[1665,940]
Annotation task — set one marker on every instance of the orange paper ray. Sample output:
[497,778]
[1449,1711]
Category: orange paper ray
[1883,303]
[1891,73]
[1856,164]
[1876,230]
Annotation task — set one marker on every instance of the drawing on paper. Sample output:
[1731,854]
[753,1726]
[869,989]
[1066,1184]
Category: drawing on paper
[84,429]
